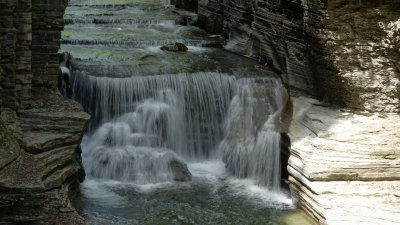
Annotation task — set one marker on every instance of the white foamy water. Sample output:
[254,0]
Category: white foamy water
[209,173]
[155,114]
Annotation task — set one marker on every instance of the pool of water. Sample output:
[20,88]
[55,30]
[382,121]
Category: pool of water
[110,40]
[212,197]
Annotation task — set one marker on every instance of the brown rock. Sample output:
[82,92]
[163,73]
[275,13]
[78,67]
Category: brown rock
[176,47]
[180,170]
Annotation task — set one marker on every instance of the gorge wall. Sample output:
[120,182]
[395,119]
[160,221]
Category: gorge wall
[271,32]
[345,52]
[40,131]
[344,56]
[358,54]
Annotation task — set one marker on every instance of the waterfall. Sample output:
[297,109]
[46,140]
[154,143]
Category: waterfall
[252,143]
[127,150]
[158,120]
[144,127]
[186,109]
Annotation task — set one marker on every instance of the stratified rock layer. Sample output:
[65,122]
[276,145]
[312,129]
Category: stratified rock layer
[344,51]
[42,161]
[357,54]
[345,166]
[40,131]
[271,32]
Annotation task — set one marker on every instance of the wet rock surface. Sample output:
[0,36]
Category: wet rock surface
[273,33]
[176,47]
[180,170]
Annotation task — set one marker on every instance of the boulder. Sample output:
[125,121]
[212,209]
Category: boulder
[176,47]
[180,171]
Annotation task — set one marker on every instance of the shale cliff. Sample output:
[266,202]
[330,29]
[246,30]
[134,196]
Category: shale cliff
[345,52]
[40,131]
[272,32]
[344,56]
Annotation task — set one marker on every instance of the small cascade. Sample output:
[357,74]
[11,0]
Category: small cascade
[188,109]
[153,111]
[129,148]
[251,147]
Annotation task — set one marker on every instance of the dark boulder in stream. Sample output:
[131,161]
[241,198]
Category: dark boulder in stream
[176,47]
[180,171]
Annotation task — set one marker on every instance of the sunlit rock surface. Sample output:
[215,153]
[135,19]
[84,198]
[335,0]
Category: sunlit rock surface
[345,165]
[358,54]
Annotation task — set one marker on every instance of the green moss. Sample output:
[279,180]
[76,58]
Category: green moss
[68,32]
[18,159]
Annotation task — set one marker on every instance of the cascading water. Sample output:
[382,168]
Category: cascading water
[205,116]
[182,113]
[252,142]
[185,110]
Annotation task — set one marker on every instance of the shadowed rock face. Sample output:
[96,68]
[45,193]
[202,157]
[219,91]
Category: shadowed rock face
[271,32]
[345,52]
[358,64]
[40,159]
[180,170]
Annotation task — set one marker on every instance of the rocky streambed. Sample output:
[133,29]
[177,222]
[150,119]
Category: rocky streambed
[182,131]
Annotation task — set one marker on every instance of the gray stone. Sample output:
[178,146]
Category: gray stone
[180,171]
[176,47]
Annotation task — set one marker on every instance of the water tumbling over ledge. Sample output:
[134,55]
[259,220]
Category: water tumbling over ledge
[190,106]
[181,117]
[251,147]
[206,116]
[193,134]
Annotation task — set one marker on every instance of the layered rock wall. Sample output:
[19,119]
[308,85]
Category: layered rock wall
[15,50]
[344,52]
[357,54]
[40,131]
[48,21]
[344,166]
[273,32]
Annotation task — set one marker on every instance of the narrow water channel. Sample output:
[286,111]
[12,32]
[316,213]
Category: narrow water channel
[176,137]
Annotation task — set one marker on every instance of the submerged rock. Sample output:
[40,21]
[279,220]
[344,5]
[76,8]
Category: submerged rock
[180,171]
[176,47]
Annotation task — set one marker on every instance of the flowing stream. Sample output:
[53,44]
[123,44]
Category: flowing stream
[187,137]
